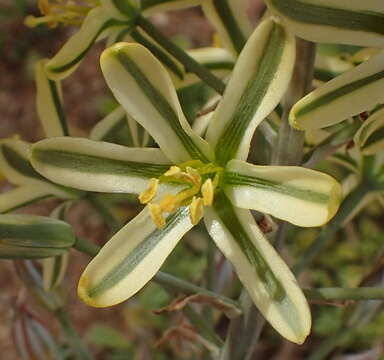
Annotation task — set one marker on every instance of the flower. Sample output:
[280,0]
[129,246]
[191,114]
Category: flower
[190,177]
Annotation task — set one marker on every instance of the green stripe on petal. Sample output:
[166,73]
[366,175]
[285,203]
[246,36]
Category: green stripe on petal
[15,165]
[370,137]
[351,93]
[266,277]
[74,50]
[14,162]
[231,22]
[276,190]
[22,196]
[48,103]
[97,166]
[131,258]
[144,88]
[352,22]
[27,236]
[150,7]
[259,80]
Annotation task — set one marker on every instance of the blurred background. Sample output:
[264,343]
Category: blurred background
[133,330]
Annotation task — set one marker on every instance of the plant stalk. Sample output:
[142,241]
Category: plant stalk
[349,204]
[190,64]
[104,211]
[74,339]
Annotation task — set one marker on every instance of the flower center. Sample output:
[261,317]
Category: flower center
[200,180]
[67,12]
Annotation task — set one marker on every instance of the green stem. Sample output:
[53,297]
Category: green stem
[203,326]
[74,339]
[349,204]
[86,247]
[290,143]
[325,348]
[344,294]
[104,211]
[190,64]
[173,283]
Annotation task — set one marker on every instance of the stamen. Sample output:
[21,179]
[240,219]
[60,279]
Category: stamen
[196,210]
[157,215]
[208,190]
[65,12]
[194,175]
[170,203]
[173,171]
[147,195]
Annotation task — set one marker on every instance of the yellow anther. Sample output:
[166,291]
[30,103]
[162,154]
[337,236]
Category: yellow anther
[208,191]
[147,195]
[157,215]
[44,6]
[194,176]
[170,203]
[173,171]
[196,210]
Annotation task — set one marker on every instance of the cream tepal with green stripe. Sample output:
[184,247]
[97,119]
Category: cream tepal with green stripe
[352,22]
[349,94]
[370,137]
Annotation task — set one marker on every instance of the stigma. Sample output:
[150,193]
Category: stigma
[200,181]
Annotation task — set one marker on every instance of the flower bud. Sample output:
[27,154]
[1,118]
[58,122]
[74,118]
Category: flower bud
[32,237]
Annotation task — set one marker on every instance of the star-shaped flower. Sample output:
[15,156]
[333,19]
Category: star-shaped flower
[190,177]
